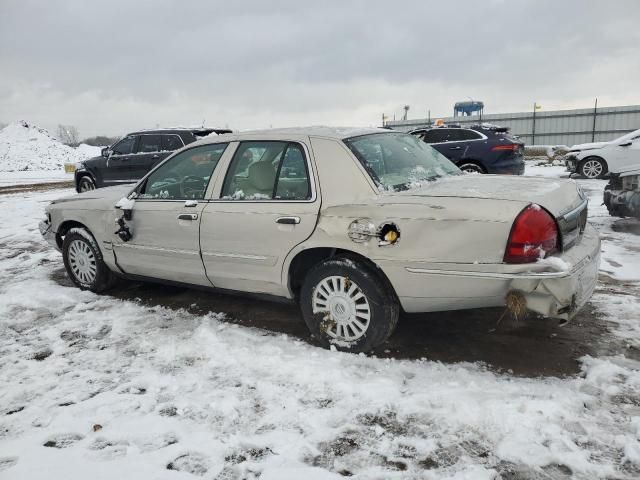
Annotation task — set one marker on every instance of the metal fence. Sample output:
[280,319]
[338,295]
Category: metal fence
[559,127]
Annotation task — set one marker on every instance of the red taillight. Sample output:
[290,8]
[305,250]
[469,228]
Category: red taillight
[534,235]
[510,147]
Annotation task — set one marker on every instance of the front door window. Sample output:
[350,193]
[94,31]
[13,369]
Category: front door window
[124,146]
[184,176]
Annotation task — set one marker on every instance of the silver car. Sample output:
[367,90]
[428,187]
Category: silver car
[353,224]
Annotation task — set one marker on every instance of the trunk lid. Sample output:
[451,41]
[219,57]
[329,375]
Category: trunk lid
[558,196]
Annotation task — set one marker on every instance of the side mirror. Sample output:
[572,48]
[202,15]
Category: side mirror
[626,144]
[105,152]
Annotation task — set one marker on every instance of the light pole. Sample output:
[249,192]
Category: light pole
[533,129]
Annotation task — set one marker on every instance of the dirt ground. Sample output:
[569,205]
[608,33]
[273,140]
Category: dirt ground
[35,187]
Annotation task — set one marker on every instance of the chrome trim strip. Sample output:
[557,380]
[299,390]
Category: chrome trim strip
[157,249]
[575,212]
[234,255]
[505,276]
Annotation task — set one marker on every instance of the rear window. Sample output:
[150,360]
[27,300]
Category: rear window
[398,161]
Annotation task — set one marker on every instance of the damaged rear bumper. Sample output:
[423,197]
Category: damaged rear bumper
[556,289]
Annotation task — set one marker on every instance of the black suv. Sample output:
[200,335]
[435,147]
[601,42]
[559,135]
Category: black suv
[477,149]
[130,158]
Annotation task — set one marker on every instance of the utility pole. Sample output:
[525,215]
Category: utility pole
[533,129]
[595,114]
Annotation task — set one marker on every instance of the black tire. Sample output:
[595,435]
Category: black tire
[471,167]
[381,301]
[593,167]
[83,262]
[86,184]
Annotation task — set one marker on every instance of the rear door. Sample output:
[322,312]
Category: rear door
[166,218]
[118,168]
[267,205]
[170,143]
[437,138]
[148,153]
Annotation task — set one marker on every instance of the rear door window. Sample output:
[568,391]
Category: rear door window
[149,144]
[267,170]
[171,142]
[455,135]
[436,135]
[465,134]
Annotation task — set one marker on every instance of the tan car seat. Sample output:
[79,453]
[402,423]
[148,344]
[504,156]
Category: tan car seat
[262,177]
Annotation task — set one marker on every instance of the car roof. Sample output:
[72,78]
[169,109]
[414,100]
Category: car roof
[483,127]
[338,133]
[195,130]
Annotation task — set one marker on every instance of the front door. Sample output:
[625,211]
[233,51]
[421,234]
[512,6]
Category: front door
[117,168]
[267,206]
[166,218]
[625,156]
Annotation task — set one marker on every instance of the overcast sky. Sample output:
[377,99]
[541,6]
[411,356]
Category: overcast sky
[112,66]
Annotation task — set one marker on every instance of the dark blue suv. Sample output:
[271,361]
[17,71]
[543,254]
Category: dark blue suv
[478,148]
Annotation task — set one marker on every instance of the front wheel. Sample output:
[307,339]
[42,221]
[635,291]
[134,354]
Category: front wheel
[83,262]
[347,304]
[86,184]
[592,167]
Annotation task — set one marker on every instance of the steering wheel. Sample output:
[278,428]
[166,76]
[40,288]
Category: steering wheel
[190,184]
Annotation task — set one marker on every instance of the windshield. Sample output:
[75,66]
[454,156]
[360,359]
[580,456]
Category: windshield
[629,136]
[398,161]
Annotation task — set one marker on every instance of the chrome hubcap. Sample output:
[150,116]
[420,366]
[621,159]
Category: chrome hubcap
[346,308]
[82,261]
[592,169]
[86,185]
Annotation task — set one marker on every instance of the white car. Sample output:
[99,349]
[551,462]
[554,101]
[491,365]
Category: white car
[353,224]
[595,160]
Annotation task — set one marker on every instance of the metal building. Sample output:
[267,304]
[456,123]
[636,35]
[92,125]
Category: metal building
[559,127]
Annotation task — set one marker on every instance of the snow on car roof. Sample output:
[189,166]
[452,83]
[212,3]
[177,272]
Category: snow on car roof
[317,131]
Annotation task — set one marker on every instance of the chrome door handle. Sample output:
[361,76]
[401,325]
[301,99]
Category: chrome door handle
[455,148]
[288,220]
[188,216]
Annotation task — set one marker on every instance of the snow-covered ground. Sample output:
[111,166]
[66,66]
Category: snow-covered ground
[102,388]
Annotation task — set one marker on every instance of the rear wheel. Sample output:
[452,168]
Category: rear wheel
[592,167]
[347,304]
[83,262]
[86,184]
[469,167]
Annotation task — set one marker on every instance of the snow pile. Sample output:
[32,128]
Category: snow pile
[24,146]
[88,151]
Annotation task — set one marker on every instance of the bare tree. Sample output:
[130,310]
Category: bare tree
[100,141]
[68,134]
